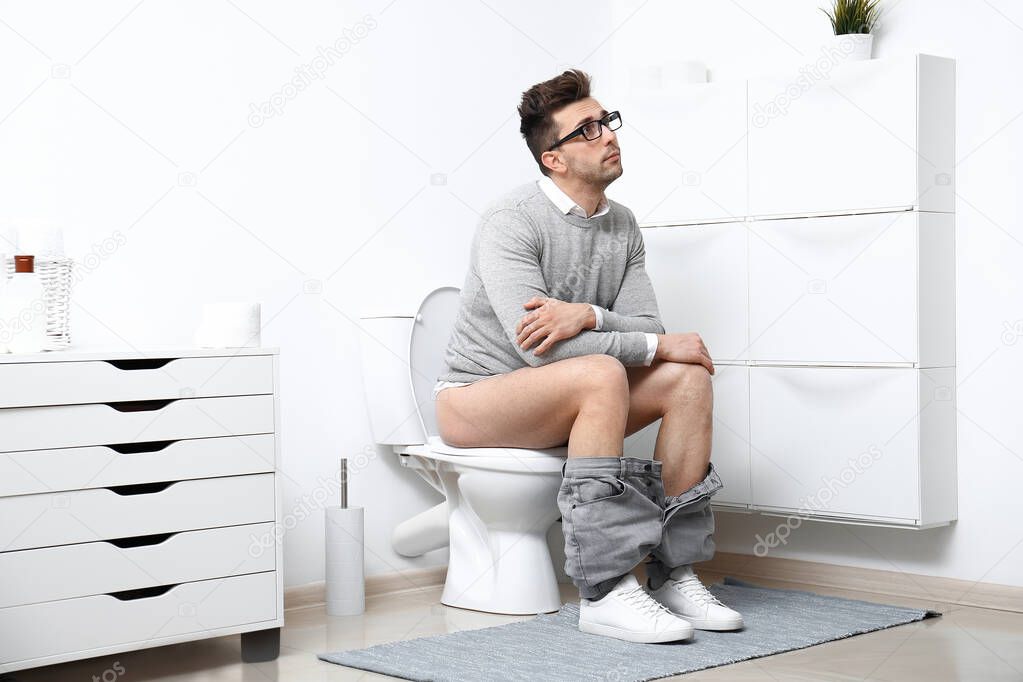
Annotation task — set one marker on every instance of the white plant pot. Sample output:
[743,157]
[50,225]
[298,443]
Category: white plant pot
[855,46]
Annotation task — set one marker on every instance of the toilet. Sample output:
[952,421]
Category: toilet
[499,502]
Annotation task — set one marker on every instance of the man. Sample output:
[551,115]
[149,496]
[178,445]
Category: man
[558,340]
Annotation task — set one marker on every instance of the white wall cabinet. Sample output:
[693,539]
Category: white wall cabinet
[138,502]
[683,153]
[829,306]
[846,443]
[874,134]
[871,288]
[730,448]
[700,276]
[858,136]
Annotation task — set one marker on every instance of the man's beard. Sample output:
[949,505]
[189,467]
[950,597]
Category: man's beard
[600,176]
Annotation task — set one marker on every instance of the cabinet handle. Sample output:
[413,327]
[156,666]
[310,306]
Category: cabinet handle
[140,405]
[141,540]
[142,592]
[141,488]
[146,446]
[140,363]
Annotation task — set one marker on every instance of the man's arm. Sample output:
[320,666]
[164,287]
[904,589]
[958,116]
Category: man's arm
[635,306]
[508,259]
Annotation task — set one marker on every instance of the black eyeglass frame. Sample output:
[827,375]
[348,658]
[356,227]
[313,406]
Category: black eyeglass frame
[602,123]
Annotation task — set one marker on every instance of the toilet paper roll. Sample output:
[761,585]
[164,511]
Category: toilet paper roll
[346,587]
[229,325]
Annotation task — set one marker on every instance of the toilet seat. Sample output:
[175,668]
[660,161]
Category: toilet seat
[496,459]
[438,445]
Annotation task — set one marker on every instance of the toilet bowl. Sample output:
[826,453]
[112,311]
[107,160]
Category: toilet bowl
[499,502]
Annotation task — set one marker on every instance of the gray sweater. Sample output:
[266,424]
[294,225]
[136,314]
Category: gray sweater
[525,247]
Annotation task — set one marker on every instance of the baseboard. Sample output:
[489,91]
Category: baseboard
[895,583]
[796,571]
[314,594]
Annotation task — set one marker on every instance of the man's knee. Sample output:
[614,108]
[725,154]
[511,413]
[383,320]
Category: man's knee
[602,373]
[692,383]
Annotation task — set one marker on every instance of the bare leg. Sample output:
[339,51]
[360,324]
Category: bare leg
[681,395]
[582,401]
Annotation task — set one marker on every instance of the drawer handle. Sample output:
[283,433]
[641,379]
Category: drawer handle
[141,540]
[140,405]
[143,592]
[147,446]
[141,363]
[141,488]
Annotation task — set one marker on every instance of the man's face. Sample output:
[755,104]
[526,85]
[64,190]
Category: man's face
[597,162]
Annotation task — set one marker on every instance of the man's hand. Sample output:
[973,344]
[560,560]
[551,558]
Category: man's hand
[553,319]
[686,347]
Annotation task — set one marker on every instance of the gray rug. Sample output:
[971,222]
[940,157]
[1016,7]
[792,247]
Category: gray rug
[551,647]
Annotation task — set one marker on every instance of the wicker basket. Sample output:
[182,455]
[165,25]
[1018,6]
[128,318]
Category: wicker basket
[55,273]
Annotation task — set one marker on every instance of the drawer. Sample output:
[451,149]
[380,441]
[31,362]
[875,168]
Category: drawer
[730,434]
[103,381]
[839,441]
[837,289]
[37,631]
[47,519]
[39,471]
[64,426]
[899,111]
[699,274]
[84,569]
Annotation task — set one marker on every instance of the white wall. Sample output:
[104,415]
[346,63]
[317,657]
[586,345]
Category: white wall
[139,123]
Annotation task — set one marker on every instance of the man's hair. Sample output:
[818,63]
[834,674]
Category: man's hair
[539,104]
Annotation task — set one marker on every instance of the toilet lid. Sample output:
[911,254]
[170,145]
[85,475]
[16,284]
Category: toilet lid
[430,334]
[437,445]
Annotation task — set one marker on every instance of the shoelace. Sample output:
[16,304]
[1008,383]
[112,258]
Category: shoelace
[694,590]
[642,600]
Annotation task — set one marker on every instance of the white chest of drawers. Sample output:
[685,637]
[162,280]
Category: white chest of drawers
[138,502]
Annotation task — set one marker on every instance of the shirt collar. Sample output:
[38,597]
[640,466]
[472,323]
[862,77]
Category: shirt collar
[565,203]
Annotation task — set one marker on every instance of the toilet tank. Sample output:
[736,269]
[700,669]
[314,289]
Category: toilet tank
[402,357]
[384,358]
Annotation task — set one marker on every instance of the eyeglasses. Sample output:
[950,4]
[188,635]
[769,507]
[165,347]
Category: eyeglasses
[591,130]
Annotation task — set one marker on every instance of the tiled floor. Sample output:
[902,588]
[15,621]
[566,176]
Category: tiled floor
[966,643]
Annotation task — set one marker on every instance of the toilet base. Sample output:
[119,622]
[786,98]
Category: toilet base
[520,581]
[499,515]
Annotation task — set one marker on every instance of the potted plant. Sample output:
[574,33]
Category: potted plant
[852,22]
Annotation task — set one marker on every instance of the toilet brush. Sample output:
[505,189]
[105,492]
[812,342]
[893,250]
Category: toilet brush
[346,589]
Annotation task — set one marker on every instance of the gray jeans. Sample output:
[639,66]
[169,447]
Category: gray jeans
[614,513]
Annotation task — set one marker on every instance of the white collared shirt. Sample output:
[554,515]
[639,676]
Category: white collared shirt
[566,205]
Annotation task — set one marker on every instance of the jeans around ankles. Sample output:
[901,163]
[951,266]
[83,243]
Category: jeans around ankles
[613,515]
[688,533]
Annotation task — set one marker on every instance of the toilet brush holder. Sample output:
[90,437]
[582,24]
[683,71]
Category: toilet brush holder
[344,568]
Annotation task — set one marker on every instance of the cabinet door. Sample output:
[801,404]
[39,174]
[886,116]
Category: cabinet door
[730,450]
[841,141]
[835,289]
[836,441]
[699,277]
[683,153]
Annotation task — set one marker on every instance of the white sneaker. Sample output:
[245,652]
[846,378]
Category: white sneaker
[628,612]
[686,596]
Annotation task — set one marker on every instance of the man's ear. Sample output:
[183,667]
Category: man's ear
[552,160]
